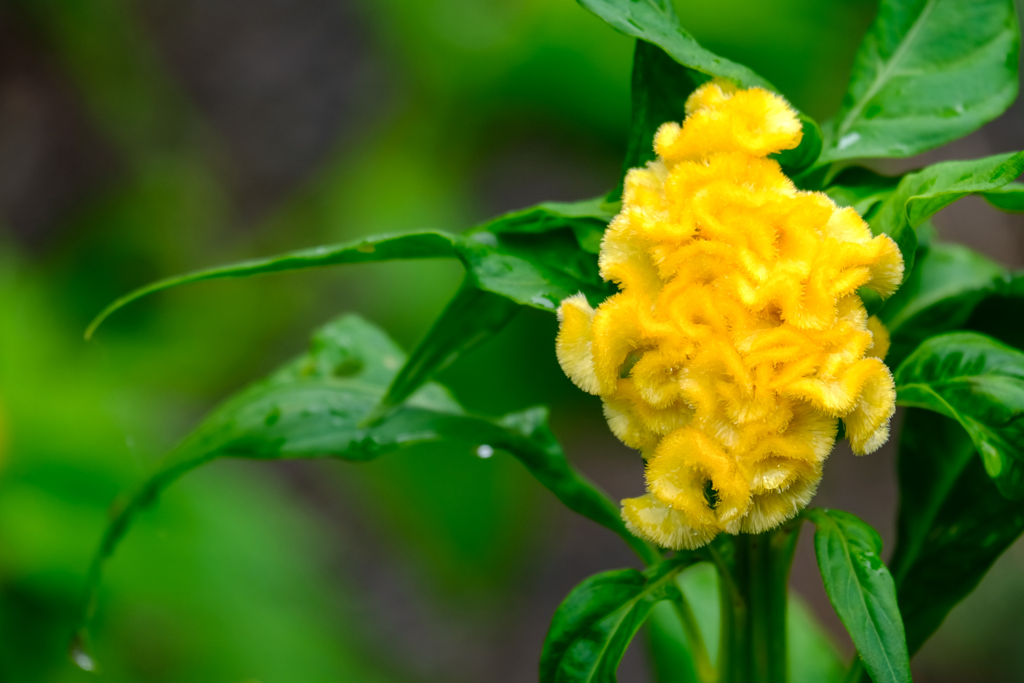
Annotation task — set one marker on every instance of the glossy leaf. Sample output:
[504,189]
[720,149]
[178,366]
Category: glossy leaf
[862,592]
[946,284]
[861,188]
[1009,197]
[596,622]
[317,405]
[920,195]
[660,87]
[659,90]
[532,257]
[472,317]
[928,72]
[806,153]
[587,219]
[1001,314]
[978,382]
[952,524]
[656,22]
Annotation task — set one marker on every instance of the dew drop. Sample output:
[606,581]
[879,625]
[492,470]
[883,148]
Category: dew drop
[79,654]
[484,451]
[848,140]
[543,302]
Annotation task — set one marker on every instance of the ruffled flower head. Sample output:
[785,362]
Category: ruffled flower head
[737,340]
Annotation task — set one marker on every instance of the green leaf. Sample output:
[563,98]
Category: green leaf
[952,524]
[316,406]
[978,382]
[660,88]
[1001,314]
[671,654]
[920,195]
[587,219]
[928,72]
[532,257]
[660,91]
[862,592]
[1009,197]
[947,283]
[655,21]
[806,153]
[813,656]
[861,188]
[596,622]
[533,269]
[472,317]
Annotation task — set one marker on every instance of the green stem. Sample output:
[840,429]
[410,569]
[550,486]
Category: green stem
[701,660]
[732,647]
[856,673]
[777,548]
[754,594]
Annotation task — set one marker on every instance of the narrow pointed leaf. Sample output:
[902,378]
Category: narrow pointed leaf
[946,285]
[922,194]
[473,316]
[655,21]
[978,382]
[1009,197]
[422,245]
[596,622]
[953,524]
[862,592]
[660,88]
[806,153]
[532,257]
[316,406]
[587,219]
[861,188]
[1001,314]
[928,72]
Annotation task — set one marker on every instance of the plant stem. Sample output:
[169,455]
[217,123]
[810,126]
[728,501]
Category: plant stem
[856,673]
[732,648]
[754,593]
[701,660]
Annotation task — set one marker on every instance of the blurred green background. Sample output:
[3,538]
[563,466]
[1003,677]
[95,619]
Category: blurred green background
[140,139]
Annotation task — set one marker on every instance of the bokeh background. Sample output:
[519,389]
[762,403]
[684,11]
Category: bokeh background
[143,138]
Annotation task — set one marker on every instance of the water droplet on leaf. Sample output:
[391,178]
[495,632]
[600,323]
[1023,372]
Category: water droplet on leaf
[484,451]
[79,654]
[848,140]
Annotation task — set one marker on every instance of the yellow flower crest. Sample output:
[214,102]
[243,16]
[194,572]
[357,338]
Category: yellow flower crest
[737,340]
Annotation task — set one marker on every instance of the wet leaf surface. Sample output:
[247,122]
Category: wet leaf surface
[862,592]
[928,72]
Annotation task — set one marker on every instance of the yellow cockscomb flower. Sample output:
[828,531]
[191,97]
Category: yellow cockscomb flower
[737,340]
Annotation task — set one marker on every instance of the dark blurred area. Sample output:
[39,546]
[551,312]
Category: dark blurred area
[143,139]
